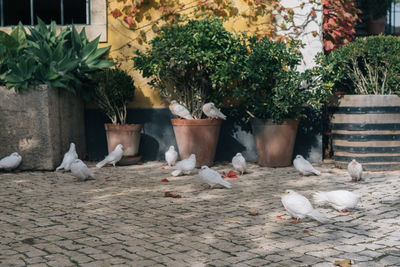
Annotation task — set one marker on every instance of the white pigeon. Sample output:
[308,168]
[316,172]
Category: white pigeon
[171,156]
[212,112]
[80,170]
[69,157]
[212,177]
[299,207]
[239,163]
[355,170]
[10,162]
[179,110]
[185,166]
[113,157]
[304,167]
[339,199]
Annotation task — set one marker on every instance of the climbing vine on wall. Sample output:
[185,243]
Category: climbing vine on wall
[146,16]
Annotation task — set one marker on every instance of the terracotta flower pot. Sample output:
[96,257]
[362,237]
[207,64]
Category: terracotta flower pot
[197,137]
[275,142]
[126,134]
[376,26]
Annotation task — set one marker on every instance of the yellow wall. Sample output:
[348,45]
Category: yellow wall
[123,45]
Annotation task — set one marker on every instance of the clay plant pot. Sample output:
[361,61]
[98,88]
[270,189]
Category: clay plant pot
[275,142]
[126,134]
[197,137]
[376,26]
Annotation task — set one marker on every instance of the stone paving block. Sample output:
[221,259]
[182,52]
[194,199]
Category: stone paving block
[324,253]
[38,265]
[348,248]
[367,264]
[389,260]
[307,260]
[257,262]
[356,257]
[81,258]
[35,260]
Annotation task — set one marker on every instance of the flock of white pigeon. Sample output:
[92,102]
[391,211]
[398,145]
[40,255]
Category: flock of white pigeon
[296,205]
[70,162]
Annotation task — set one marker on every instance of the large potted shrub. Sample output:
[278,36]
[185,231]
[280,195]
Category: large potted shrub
[184,64]
[366,115]
[41,77]
[273,96]
[376,12]
[113,89]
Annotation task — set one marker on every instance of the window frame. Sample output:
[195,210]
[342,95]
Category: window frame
[97,18]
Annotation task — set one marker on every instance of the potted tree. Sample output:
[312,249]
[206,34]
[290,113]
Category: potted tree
[365,122]
[184,63]
[273,96]
[376,12]
[41,75]
[113,90]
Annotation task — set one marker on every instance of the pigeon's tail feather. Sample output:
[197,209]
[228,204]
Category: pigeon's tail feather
[226,184]
[91,174]
[316,172]
[59,167]
[222,116]
[316,215]
[320,197]
[176,172]
[101,163]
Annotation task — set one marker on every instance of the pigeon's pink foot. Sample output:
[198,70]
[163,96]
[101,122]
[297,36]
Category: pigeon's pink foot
[207,187]
[296,221]
[344,211]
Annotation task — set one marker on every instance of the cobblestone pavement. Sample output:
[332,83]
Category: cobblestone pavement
[122,218]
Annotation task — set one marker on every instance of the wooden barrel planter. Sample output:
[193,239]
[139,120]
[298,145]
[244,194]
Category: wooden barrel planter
[367,128]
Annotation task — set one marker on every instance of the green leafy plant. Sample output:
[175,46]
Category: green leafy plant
[43,56]
[270,87]
[367,58]
[187,62]
[113,90]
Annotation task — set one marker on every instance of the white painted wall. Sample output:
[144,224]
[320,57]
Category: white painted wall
[313,44]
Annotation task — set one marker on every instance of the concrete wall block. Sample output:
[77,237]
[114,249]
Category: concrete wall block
[32,124]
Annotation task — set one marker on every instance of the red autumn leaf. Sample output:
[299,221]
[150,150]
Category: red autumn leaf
[169,194]
[129,21]
[232,174]
[165,180]
[337,33]
[279,217]
[223,174]
[116,13]
[305,231]
[329,45]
